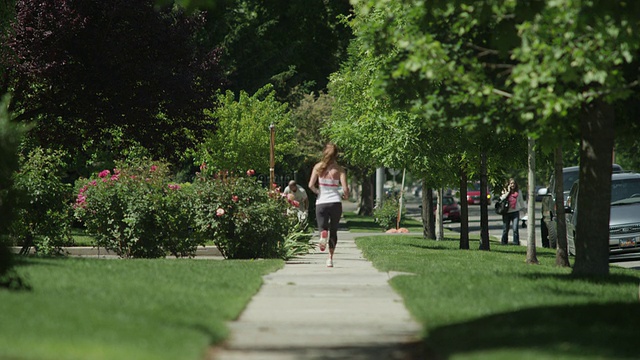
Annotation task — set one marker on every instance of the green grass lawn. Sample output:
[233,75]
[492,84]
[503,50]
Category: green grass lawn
[125,309]
[357,223]
[491,305]
[81,238]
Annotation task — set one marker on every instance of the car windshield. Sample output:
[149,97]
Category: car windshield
[625,191]
[447,200]
[568,179]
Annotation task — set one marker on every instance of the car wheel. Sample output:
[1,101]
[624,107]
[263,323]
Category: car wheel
[571,246]
[553,234]
[544,233]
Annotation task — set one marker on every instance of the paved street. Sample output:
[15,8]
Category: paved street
[495,221]
[495,226]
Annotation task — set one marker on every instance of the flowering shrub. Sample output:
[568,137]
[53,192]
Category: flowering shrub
[178,227]
[133,211]
[244,220]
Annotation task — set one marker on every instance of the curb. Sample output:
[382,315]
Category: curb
[202,251]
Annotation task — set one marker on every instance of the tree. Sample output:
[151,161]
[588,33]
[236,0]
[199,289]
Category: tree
[308,118]
[85,68]
[538,60]
[242,138]
[574,59]
[10,137]
[293,45]
[436,97]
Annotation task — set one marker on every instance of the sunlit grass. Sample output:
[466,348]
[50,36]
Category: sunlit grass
[125,309]
[357,223]
[492,305]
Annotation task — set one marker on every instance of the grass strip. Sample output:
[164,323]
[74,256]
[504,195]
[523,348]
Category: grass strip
[358,223]
[125,309]
[491,305]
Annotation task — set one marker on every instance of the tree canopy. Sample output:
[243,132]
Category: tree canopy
[532,68]
[242,138]
[82,68]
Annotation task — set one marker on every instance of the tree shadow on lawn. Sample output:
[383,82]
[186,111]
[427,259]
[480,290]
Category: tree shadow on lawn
[357,225]
[591,330]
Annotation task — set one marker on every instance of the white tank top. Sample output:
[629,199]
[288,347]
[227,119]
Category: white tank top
[328,191]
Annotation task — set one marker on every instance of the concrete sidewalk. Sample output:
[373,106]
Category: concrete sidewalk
[309,311]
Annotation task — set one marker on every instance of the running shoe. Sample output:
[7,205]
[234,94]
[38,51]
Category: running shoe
[324,237]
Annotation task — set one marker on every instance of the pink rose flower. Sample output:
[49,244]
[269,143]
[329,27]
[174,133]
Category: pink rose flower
[114,177]
[234,198]
[251,172]
[104,173]
[174,186]
[295,203]
[154,168]
[220,212]
[93,183]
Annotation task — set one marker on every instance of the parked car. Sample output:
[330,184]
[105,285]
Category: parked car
[624,216]
[450,209]
[473,193]
[548,219]
[536,192]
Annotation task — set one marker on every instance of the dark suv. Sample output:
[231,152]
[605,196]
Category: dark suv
[548,219]
[624,216]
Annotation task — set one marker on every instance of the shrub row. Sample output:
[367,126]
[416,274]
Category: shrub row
[135,211]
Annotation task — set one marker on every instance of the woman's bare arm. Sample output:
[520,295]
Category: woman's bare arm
[314,180]
[343,182]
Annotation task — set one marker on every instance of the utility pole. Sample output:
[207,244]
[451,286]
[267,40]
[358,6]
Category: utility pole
[272,157]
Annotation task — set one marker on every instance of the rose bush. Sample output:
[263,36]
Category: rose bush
[245,220]
[134,211]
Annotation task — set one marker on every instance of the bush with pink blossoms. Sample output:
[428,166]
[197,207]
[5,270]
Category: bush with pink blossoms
[134,211]
[244,220]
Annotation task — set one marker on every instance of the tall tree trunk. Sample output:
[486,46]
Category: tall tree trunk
[464,211]
[484,215]
[365,207]
[428,219]
[562,253]
[439,225]
[532,257]
[592,224]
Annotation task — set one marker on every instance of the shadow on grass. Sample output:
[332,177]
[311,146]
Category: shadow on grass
[359,225]
[604,331]
[439,245]
[611,279]
[37,260]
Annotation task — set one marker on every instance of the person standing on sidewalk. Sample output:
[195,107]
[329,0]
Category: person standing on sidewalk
[329,176]
[512,217]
